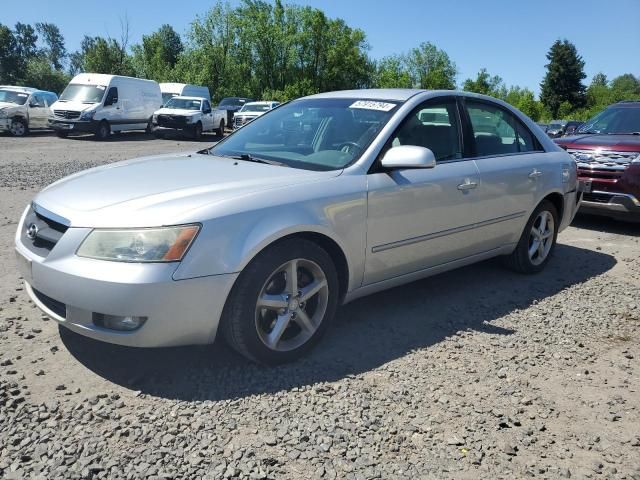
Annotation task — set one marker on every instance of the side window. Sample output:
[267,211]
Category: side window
[498,132]
[112,97]
[38,100]
[433,125]
[206,107]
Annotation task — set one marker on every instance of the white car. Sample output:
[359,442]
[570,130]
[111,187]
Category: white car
[251,111]
[23,109]
[189,114]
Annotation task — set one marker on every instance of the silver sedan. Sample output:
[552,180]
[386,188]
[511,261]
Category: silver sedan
[320,201]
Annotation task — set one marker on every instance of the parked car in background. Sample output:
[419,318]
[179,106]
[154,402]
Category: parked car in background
[23,109]
[231,105]
[189,114]
[607,151]
[571,127]
[251,111]
[101,104]
[320,201]
[170,90]
[543,126]
[555,129]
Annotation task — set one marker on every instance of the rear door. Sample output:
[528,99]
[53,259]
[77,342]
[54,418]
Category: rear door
[511,165]
[419,218]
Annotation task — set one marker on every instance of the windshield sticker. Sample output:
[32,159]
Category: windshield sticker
[23,95]
[372,105]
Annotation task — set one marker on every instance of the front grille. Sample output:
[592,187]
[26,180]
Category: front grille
[240,121]
[172,121]
[55,306]
[66,114]
[597,197]
[602,160]
[40,233]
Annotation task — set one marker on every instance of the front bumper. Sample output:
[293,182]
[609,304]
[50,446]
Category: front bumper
[72,125]
[5,124]
[72,290]
[613,204]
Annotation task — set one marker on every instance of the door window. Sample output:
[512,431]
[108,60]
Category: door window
[112,97]
[38,101]
[433,125]
[498,132]
[206,107]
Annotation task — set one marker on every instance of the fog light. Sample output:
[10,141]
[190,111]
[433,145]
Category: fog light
[116,322]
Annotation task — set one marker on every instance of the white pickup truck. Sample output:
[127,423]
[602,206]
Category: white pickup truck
[189,114]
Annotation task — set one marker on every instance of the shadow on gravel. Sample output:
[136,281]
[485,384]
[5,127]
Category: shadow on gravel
[368,333]
[603,224]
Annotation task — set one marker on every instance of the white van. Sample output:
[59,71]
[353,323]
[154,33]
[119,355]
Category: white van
[170,90]
[101,104]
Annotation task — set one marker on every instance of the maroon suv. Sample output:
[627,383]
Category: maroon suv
[607,151]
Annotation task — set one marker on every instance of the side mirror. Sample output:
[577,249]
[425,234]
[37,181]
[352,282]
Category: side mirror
[408,156]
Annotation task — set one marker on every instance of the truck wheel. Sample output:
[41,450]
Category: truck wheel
[103,130]
[282,302]
[537,241]
[18,127]
[220,131]
[197,131]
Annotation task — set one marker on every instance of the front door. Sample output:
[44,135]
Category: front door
[38,111]
[207,116]
[420,218]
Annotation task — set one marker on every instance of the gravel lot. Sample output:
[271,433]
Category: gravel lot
[477,373]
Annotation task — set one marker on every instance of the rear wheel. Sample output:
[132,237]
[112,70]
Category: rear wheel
[537,241]
[103,130]
[220,131]
[18,127]
[282,302]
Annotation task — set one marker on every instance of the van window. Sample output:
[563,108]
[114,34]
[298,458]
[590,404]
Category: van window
[112,97]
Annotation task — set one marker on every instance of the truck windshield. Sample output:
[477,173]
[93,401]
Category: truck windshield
[255,107]
[613,121]
[10,96]
[311,134]
[83,93]
[183,103]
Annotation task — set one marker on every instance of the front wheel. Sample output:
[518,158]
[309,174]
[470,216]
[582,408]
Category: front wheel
[282,302]
[103,130]
[18,127]
[197,131]
[537,241]
[220,131]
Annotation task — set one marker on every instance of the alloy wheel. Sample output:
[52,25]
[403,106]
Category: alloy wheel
[541,237]
[17,128]
[291,305]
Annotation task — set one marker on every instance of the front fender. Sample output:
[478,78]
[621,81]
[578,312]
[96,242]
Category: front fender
[228,244]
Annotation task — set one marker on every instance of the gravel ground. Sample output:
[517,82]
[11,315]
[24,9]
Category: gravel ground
[477,373]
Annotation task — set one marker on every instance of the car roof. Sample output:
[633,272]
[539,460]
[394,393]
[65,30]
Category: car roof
[261,102]
[189,98]
[22,89]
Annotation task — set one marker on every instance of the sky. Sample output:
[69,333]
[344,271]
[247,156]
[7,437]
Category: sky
[509,38]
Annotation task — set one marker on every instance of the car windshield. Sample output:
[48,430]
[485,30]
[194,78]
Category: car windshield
[613,121]
[555,126]
[83,93]
[166,97]
[11,96]
[313,134]
[253,107]
[183,103]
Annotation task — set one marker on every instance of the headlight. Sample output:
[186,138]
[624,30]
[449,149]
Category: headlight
[87,116]
[164,244]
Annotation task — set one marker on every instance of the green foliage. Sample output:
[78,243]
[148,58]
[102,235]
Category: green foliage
[54,50]
[102,55]
[158,54]
[10,62]
[563,80]
[485,84]
[392,73]
[41,73]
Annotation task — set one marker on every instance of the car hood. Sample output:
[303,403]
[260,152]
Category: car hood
[9,105]
[623,143]
[163,190]
[176,111]
[249,114]
[74,106]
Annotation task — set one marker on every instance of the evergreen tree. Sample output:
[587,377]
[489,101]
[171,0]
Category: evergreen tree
[563,81]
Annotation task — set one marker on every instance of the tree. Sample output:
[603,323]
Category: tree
[485,84]
[563,80]
[41,74]
[54,50]
[391,72]
[626,85]
[158,54]
[599,80]
[431,68]
[101,55]
[9,59]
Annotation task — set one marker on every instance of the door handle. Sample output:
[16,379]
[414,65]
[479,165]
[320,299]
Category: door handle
[467,185]
[535,174]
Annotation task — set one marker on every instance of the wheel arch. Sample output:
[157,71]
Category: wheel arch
[557,199]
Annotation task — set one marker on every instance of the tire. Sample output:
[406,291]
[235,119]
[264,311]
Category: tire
[149,129]
[522,260]
[62,134]
[18,127]
[220,131]
[103,130]
[197,131]
[288,326]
